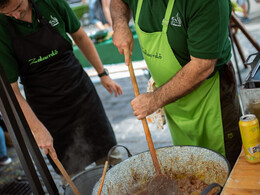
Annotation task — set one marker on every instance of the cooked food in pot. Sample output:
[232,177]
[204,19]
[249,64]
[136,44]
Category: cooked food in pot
[188,185]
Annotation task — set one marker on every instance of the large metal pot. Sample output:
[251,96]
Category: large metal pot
[176,161]
[85,181]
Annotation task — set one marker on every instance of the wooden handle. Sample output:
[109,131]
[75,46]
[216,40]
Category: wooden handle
[145,125]
[102,178]
[65,175]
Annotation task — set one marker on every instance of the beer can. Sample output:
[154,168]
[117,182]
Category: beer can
[250,133]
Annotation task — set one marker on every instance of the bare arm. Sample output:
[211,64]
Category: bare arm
[39,131]
[120,13]
[183,83]
[88,49]
[106,10]
[122,37]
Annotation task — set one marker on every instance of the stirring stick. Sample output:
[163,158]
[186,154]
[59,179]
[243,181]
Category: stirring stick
[160,184]
[65,175]
[145,125]
[103,178]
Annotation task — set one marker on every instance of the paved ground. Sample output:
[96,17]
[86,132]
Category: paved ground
[128,130]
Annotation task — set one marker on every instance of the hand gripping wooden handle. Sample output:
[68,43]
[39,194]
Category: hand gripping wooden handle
[145,125]
[65,175]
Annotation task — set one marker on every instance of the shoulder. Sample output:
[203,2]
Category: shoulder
[57,4]
[195,7]
[59,8]
[62,11]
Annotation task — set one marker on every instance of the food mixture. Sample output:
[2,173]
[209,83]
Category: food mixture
[189,185]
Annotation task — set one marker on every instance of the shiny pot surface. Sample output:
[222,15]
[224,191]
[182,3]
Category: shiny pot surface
[136,172]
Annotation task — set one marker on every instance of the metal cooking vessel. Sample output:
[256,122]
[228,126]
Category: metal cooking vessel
[176,161]
[85,181]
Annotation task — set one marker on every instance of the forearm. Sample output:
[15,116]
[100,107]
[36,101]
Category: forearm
[120,13]
[122,37]
[88,49]
[41,135]
[184,82]
[33,122]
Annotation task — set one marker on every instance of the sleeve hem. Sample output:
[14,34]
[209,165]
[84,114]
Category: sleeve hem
[205,55]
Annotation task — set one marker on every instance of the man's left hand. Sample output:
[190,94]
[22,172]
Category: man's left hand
[144,105]
[111,86]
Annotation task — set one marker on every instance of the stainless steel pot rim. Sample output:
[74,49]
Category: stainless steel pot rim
[137,171]
[178,146]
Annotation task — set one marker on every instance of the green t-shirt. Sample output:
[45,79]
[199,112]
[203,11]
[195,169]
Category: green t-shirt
[197,27]
[56,12]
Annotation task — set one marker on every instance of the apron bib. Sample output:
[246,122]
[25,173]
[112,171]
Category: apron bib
[62,96]
[196,118]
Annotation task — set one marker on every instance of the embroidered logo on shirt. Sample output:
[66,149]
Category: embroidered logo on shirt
[176,20]
[54,21]
[40,58]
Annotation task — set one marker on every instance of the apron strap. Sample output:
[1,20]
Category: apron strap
[139,5]
[40,18]
[11,27]
[166,19]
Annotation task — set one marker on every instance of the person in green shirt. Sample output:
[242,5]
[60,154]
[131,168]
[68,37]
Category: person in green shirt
[187,50]
[61,105]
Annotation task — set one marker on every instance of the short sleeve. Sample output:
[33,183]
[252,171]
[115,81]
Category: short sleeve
[208,29]
[72,23]
[7,59]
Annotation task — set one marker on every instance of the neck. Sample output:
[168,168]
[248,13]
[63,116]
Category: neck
[28,16]
[28,13]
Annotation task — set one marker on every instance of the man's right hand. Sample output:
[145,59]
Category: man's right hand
[122,37]
[124,41]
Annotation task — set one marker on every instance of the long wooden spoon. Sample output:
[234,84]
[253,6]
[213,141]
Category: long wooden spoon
[102,178]
[65,175]
[160,184]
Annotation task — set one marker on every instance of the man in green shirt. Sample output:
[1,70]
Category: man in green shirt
[187,50]
[62,106]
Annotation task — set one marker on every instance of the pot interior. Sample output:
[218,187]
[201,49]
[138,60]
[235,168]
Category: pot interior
[85,181]
[136,172]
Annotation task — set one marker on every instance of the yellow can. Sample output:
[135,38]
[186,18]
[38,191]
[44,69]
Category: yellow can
[250,133]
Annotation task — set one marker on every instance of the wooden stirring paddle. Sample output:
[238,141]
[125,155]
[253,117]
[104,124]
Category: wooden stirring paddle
[160,184]
[65,175]
[102,178]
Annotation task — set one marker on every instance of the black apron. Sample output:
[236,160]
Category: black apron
[62,96]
